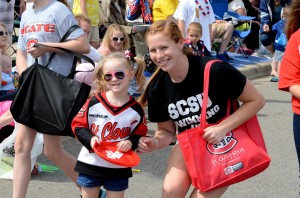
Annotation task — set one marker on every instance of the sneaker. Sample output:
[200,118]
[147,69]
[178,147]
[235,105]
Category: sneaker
[227,56]
[222,57]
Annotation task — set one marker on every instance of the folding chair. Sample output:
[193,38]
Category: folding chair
[238,36]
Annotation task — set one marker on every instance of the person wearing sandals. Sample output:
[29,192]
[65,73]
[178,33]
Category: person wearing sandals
[279,44]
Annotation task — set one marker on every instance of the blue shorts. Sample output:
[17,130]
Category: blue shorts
[109,184]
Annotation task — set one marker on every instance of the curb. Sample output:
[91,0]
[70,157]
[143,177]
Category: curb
[256,70]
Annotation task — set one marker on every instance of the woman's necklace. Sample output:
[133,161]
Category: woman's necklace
[201,9]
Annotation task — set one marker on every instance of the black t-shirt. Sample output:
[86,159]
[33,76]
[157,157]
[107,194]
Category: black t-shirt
[181,102]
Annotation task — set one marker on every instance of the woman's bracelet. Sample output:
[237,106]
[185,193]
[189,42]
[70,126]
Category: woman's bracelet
[156,143]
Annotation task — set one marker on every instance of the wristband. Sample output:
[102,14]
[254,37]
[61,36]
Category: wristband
[156,143]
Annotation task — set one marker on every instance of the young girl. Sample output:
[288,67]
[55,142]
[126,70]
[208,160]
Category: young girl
[114,40]
[193,42]
[137,83]
[172,94]
[109,106]
[45,22]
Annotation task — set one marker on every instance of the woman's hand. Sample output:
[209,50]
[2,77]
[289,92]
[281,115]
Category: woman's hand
[124,146]
[147,144]
[36,52]
[214,134]
[94,140]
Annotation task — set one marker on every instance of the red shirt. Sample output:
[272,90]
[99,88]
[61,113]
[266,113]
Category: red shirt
[290,68]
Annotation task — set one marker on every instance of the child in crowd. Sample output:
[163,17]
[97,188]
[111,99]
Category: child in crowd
[137,83]
[9,79]
[117,109]
[193,42]
[86,76]
[279,46]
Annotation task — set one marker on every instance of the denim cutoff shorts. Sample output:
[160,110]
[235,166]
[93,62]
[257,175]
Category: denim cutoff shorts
[107,183]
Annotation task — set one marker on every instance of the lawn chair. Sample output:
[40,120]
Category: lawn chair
[239,36]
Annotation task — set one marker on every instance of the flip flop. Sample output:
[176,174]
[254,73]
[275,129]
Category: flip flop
[274,79]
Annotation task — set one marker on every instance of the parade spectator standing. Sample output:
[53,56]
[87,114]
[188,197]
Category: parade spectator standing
[112,81]
[167,91]
[270,14]
[162,9]
[58,18]
[90,9]
[289,72]
[199,11]
[279,44]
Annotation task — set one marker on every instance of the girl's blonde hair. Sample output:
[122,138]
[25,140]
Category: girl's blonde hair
[5,49]
[106,41]
[99,82]
[195,26]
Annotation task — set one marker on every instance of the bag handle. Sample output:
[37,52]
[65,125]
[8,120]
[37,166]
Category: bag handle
[67,34]
[205,91]
[76,54]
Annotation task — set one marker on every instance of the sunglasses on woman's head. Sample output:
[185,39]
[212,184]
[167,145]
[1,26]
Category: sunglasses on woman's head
[118,74]
[121,39]
[2,33]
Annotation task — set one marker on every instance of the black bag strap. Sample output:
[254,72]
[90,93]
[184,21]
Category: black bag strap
[67,34]
[75,54]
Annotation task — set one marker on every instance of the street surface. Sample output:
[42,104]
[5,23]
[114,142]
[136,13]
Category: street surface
[280,180]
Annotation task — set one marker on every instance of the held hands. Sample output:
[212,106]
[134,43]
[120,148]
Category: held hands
[214,134]
[124,146]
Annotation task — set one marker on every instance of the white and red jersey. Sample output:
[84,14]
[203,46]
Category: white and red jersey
[112,124]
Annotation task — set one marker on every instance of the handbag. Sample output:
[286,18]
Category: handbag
[240,155]
[48,101]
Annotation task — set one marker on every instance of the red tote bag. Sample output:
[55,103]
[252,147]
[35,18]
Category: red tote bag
[240,155]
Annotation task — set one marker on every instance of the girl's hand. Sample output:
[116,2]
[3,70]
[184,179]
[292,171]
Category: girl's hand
[214,134]
[94,140]
[124,146]
[147,144]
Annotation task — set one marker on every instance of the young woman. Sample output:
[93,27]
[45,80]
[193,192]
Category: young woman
[172,94]
[46,22]
[124,125]
[289,71]
[114,40]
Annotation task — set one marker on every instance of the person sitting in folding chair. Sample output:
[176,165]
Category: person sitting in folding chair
[249,44]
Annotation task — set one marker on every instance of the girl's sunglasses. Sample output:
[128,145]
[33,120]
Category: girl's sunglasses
[118,74]
[2,33]
[121,39]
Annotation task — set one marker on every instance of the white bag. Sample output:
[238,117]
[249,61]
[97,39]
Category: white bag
[7,154]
